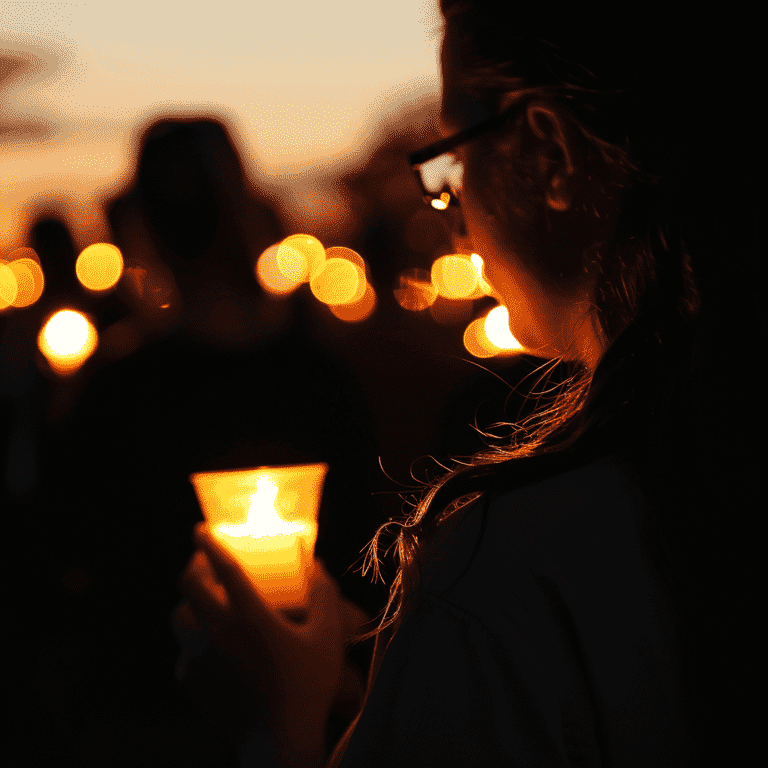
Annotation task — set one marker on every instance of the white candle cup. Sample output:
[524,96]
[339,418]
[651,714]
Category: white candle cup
[267,518]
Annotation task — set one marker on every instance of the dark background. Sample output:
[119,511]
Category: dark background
[98,507]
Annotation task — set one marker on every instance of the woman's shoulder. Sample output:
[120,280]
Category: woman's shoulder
[592,491]
[592,516]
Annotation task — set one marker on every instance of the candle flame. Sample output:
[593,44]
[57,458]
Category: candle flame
[263,518]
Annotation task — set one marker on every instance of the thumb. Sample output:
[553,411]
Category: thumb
[324,599]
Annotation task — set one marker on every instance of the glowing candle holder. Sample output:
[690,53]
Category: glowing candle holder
[267,518]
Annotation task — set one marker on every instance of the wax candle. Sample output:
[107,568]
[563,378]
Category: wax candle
[267,518]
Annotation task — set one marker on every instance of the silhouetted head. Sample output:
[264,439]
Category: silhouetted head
[177,182]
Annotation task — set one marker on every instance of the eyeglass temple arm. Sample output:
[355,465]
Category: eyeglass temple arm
[444,145]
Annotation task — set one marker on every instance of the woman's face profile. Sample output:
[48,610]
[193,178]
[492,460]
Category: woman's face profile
[520,263]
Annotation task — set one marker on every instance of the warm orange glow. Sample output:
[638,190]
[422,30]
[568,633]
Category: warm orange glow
[476,341]
[300,256]
[99,266]
[416,291]
[9,287]
[338,282]
[267,518]
[359,310]
[67,340]
[442,203]
[496,328]
[455,276]
[269,275]
[292,263]
[29,280]
[483,287]
[340,252]
[23,253]
[22,282]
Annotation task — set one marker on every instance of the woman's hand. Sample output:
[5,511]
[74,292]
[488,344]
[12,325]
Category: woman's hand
[297,667]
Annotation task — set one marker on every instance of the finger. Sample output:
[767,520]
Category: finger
[207,599]
[190,634]
[199,569]
[226,569]
[184,621]
[325,603]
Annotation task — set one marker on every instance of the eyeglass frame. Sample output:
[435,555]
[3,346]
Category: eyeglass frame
[421,156]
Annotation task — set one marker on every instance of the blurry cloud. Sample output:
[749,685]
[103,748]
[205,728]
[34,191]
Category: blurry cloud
[22,67]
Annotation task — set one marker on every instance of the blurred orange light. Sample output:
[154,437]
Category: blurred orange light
[23,253]
[9,287]
[442,203]
[67,340]
[29,279]
[99,266]
[300,256]
[416,291]
[476,341]
[359,310]
[496,328]
[269,275]
[454,276]
[339,282]
[340,252]
[483,287]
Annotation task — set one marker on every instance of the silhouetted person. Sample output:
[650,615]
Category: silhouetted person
[213,388]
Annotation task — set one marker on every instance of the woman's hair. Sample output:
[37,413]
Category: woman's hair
[661,110]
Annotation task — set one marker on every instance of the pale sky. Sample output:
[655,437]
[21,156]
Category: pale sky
[303,84]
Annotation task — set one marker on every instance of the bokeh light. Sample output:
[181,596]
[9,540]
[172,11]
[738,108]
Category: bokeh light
[9,287]
[292,263]
[476,341]
[442,203]
[310,250]
[24,263]
[483,287]
[67,340]
[300,256]
[490,335]
[99,266]
[496,328]
[340,281]
[340,252]
[455,276]
[30,281]
[23,253]
[269,275]
[359,310]
[415,292]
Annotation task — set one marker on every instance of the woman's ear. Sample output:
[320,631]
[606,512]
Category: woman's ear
[556,153]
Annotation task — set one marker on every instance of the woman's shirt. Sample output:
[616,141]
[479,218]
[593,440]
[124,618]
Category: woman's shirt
[557,647]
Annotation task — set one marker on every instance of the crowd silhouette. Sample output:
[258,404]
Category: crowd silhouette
[198,369]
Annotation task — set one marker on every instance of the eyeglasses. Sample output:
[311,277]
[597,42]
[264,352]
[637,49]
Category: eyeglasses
[439,172]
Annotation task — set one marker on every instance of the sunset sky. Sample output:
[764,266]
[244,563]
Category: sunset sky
[303,85]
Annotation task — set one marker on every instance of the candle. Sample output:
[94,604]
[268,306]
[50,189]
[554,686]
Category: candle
[267,518]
